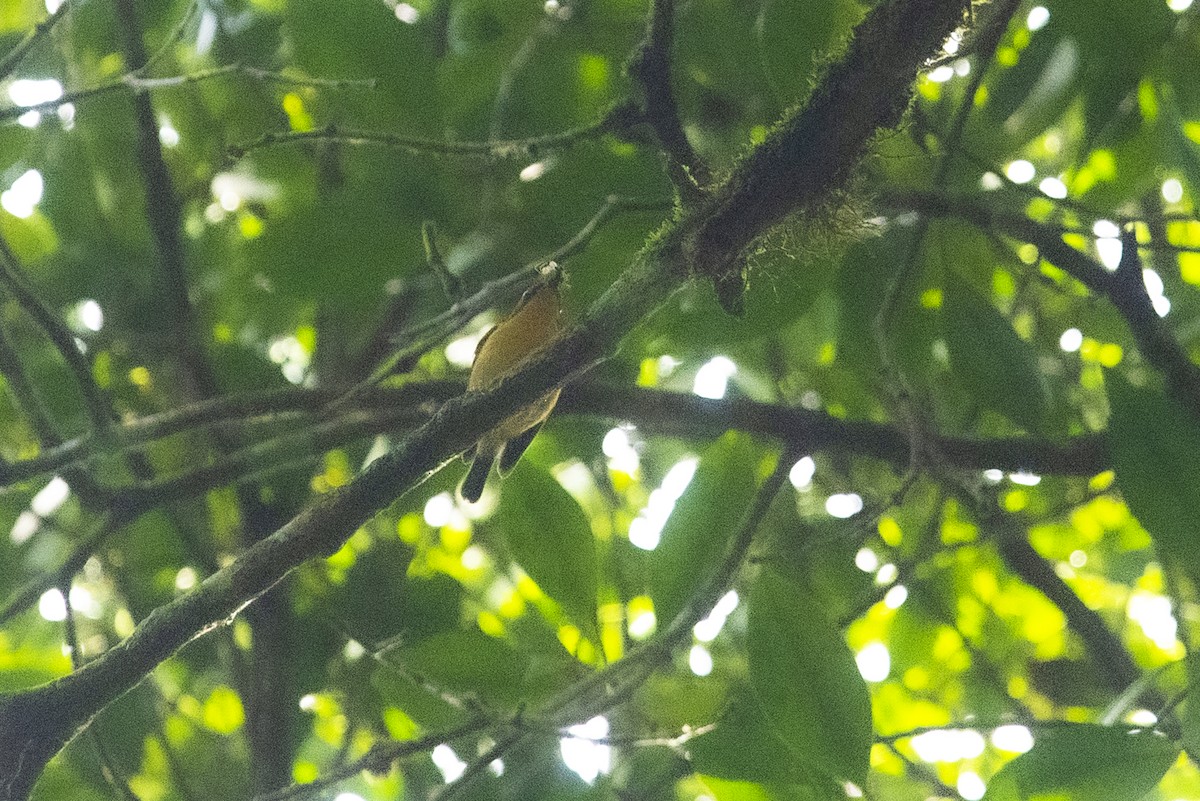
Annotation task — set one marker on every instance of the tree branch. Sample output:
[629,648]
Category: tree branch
[651,67]
[617,119]
[813,151]
[13,57]
[164,213]
[1124,288]
[13,280]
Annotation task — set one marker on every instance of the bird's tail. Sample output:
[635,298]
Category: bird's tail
[472,486]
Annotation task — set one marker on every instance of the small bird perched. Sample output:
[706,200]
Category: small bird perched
[536,321]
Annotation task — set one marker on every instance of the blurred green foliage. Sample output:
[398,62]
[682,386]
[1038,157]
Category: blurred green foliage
[882,641]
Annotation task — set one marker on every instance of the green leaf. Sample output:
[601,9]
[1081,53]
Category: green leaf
[551,539]
[1083,762]
[703,520]
[744,747]
[467,662]
[1118,41]
[990,360]
[793,37]
[1155,447]
[807,681]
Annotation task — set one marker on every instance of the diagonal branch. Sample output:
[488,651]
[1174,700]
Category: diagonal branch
[812,153]
[13,280]
[13,57]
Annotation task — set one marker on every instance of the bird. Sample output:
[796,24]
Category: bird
[527,330]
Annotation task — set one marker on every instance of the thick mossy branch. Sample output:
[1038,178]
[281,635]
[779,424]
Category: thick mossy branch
[811,153]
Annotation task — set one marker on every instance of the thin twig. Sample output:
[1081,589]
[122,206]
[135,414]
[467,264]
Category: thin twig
[28,595]
[108,769]
[172,38]
[593,695]
[13,280]
[423,336]
[377,760]
[433,257]
[137,82]
[617,119]
[13,57]
[882,325]
[133,82]
[661,412]
[651,67]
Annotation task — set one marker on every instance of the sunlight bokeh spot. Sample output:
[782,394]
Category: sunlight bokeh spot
[1020,171]
[168,135]
[708,628]
[22,197]
[618,447]
[582,754]
[1071,340]
[1053,187]
[874,662]
[970,786]
[533,171]
[1037,18]
[1142,717]
[1154,614]
[801,474]
[1013,738]
[1172,190]
[448,763]
[645,530]
[895,597]
[90,315]
[50,497]
[473,558]
[1109,250]
[712,379]
[700,661]
[844,504]
[866,560]
[407,14]
[438,510]
[941,74]
[948,745]
[25,527]
[186,578]
[1025,479]
[52,606]
[33,92]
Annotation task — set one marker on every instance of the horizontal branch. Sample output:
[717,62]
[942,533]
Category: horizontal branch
[135,82]
[689,415]
[619,118]
[656,411]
